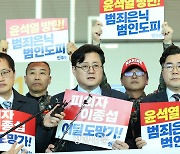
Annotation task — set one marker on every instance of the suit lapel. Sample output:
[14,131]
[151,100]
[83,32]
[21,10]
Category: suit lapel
[16,105]
[17,101]
[162,97]
[76,88]
[106,92]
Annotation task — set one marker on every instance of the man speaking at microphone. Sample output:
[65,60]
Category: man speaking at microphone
[87,66]
[11,99]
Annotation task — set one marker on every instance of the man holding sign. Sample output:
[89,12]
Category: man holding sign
[87,66]
[170,63]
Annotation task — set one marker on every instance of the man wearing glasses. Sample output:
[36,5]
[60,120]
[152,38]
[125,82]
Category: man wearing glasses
[11,99]
[170,64]
[87,66]
[134,77]
[7,93]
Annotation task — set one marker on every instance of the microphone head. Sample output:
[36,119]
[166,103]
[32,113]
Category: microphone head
[50,106]
[90,95]
[85,102]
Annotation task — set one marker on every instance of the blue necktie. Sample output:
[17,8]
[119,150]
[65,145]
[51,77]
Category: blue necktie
[7,104]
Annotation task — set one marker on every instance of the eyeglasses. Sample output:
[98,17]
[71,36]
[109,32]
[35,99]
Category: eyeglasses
[130,74]
[86,68]
[5,73]
[170,67]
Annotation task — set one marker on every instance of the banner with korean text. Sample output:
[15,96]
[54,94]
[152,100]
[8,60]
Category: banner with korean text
[37,39]
[132,19]
[160,124]
[23,135]
[102,120]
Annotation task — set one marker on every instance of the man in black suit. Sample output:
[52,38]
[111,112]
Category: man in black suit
[8,93]
[170,64]
[19,102]
[87,66]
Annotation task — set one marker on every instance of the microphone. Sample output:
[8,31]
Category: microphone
[60,143]
[47,107]
[59,108]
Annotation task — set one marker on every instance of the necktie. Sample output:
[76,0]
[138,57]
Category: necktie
[176,97]
[7,104]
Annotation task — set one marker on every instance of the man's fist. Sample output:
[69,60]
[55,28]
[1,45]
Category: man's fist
[70,49]
[167,32]
[3,46]
[96,32]
[140,143]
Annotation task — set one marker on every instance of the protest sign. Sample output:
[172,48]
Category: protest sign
[102,119]
[37,39]
[23,135]
[160,124]
[133,19]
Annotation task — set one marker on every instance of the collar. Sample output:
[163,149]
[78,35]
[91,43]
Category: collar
[97,90]
[36,98]
[139,98]
[169,95]
[10,99]
[30,96]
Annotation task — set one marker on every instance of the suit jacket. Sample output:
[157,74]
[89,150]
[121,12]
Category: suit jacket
[72,146]
[105,92]
[27,105]
[156,97]
[24,104]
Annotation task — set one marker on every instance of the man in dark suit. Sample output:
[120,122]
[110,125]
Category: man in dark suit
[87,66]
[11,99]
[7,93]
[170,64]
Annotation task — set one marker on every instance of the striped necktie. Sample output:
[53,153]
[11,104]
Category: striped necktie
[176,97]
[7,104]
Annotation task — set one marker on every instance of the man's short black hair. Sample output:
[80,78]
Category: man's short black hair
[79,55]
[39,62]
[171,50]
[9,60]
